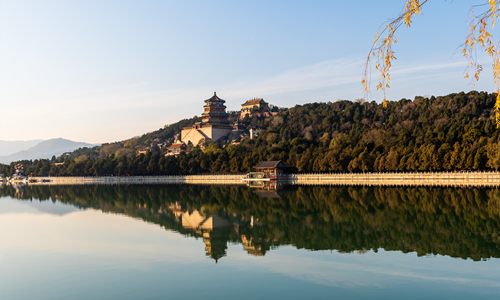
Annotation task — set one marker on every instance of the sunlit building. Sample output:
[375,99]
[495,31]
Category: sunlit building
[248,107]
[213,126]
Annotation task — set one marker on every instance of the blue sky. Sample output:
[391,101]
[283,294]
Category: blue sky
[103,71]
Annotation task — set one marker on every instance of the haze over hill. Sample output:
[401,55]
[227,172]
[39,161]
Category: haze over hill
[11,147]
[44,149]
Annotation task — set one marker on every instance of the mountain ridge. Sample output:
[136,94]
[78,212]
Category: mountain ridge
[45,149]
[11,147]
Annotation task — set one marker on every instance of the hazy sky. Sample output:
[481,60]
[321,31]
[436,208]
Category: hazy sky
[103,71]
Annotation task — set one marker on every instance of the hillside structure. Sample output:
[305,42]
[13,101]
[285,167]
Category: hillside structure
[253,104]
[213,126]
[238,127]
[176,148]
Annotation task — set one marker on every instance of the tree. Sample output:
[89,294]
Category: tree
[392,160]
[493,153]
[478,35]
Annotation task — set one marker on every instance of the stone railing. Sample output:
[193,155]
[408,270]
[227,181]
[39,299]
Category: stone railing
[190,179]
[429,178]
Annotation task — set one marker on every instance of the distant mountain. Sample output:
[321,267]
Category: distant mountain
[45,149]
[11,147]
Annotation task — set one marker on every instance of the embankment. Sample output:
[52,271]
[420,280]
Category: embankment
[189,179]
[428,179]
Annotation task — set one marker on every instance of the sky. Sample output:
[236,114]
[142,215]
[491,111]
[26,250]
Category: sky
[105,71]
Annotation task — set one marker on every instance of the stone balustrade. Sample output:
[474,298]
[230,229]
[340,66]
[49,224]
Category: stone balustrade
[189,179]
[428,178]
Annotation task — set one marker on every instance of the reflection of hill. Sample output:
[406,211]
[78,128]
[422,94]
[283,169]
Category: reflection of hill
[50,207]
[53,208]
[455,222]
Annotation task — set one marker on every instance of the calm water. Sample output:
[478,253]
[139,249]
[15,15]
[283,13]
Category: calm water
[185,242]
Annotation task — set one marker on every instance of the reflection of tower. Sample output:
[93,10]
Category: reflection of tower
[214,229]
[216,242]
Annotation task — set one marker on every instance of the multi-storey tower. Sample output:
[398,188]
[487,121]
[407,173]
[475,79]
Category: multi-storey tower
[215,111]
[213,126]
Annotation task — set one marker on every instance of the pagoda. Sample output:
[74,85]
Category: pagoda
[213,126]
[215,111]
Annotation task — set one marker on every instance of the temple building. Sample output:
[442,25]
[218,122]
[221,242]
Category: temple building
[213,126]
[254,104]
[176,148]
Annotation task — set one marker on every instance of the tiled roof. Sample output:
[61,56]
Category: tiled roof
[253,101]
[270,164]
[174,146]
[215,98]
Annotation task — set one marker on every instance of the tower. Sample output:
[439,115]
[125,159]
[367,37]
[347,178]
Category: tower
[215,111]
[214,124]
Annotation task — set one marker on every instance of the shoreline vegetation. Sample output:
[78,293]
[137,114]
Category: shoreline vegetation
[444,133]
[365,179]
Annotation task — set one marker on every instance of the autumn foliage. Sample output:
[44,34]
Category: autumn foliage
[481,21]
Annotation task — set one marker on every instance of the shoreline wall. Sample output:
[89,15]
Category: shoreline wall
[428,179]
[188,179]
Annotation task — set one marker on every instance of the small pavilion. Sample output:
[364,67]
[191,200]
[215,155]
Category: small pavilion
[271,168]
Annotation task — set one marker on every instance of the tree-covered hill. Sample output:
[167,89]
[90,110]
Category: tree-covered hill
[451,132]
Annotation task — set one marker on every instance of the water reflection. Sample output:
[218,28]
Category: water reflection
[462,223]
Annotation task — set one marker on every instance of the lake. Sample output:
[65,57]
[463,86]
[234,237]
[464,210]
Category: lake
[237,242]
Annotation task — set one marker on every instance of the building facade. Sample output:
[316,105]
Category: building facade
[271,168]
[247,107]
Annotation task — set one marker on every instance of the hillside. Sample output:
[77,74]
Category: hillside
[450,132]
